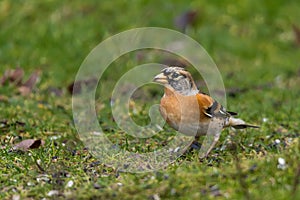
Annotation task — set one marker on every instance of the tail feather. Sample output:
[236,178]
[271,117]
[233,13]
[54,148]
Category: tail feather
[239,123]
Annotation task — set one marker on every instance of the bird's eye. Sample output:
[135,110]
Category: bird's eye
[175,75]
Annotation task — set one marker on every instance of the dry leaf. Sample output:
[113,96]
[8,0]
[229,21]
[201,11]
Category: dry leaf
[12,76]
[30,83]
[3,98]
[25,145]
[15,76]
[186,19]
[78,86]
[26,88]
[297,34]
[24,91]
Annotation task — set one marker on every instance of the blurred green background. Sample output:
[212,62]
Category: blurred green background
[57,36]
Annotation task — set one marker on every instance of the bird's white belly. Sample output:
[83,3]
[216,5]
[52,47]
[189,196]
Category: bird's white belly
[191,129]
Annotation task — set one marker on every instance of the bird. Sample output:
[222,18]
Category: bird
[191,112]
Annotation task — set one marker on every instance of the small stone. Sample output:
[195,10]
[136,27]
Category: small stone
[55,137]
[70,184]
[281,161]
[119,184]
[43,178]
[30,184]
[97,186]
[52,193]
[176,150]
[265,119]
[173,191]
[155,197]
[281,164]
[215,191]
[97,133]
[16,197]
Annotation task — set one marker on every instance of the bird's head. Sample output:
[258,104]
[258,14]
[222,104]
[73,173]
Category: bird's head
[177,79]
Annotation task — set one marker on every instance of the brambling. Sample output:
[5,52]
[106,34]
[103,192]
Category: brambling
[192,112]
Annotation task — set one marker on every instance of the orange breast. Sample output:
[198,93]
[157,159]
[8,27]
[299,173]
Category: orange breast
[183,113]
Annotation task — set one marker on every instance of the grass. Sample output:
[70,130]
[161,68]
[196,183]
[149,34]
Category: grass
[253,45]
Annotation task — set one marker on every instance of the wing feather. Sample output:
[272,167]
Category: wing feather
[212,108]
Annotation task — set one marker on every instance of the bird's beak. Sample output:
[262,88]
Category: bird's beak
[160,78]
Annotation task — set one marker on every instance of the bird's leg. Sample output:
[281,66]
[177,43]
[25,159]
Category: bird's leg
[212,137]
[208,144]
